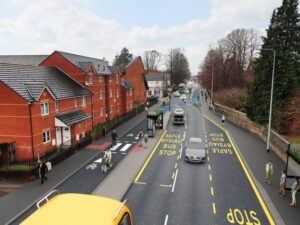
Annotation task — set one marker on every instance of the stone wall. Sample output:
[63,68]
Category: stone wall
[277,144]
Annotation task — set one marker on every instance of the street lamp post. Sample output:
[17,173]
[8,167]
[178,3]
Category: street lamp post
[271,97]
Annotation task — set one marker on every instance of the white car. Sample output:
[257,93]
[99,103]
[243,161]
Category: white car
[176,94]
[183,98]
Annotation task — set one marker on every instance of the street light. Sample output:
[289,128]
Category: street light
[271,97]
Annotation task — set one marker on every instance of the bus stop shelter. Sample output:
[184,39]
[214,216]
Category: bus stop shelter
[154,122]
[293,154]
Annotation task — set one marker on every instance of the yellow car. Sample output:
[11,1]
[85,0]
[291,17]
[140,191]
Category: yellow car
[75,209]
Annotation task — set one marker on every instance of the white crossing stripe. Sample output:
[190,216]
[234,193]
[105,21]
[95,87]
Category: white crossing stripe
[115,146]
[125,147]
[98,160]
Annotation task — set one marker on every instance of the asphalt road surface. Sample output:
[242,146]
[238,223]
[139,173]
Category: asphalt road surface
[169,190]
[87,178]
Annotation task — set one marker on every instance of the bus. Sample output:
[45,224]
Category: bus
[181,88]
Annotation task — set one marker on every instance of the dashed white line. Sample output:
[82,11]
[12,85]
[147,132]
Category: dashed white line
[166,219]
[173,188]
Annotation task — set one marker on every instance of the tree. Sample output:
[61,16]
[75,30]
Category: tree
[151,60]
[283,36]
[178,66]
[122,60]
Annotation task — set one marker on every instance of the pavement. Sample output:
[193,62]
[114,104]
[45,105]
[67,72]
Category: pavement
[18,202]
[255,156]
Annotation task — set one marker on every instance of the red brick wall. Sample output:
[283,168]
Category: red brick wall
[135,73]
[15,121]
[113,102]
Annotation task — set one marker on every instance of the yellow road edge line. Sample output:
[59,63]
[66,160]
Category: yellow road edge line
[210,178]
[166,185]
[261,201]
[212,191]
[149,158]
[214,208]
[137,182]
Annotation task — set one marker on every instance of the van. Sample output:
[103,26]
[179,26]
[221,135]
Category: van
[179,117]
[78,209]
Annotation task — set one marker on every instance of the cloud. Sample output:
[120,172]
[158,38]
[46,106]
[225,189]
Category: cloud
[44,26]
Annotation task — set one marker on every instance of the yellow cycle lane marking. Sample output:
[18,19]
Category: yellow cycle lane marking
[234,213]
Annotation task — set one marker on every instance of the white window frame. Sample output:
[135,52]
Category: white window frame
[101,94]
[111,109]
[110,93]
[45,109]
[90,81]
[100,79]
[83,101]
[47,136]
[75,103]
[56,106]
[101,112]
[130,92]
[110,79]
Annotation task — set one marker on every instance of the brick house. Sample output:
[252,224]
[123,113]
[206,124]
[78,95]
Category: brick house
[94,74]
[135,72]
[41,109]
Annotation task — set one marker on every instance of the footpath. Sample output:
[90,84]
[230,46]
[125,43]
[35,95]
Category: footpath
[255,156]
[16,202]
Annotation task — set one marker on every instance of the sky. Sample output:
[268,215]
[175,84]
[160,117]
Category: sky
[101,28]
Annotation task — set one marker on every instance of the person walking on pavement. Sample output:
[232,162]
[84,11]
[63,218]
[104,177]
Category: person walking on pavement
[146,139]
[114,137]
[282,184]
[295,188]
[42,172]
[269,172]
[223,119]
[103,131]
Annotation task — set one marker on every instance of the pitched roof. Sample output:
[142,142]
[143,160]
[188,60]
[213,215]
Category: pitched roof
[83,62]
[23,59]
[157,76]
[127,84]
[29,81]
[73,117]
[133,61]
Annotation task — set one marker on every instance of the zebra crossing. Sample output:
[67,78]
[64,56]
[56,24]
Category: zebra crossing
[121,147]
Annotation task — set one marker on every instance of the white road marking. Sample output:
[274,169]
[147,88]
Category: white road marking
[173,188]
[125,147]
[180,151]
[115,146]
[185,126]
[130,135]
[123,153]
[98,160]
[166,219]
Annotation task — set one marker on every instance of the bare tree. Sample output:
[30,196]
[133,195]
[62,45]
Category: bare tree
[152,60]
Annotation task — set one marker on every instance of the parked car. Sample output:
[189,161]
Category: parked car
[194,151]
[176,94]
[78,209]
[183,98]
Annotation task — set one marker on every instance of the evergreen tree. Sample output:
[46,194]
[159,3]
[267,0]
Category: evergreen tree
[282,36]
[123,59]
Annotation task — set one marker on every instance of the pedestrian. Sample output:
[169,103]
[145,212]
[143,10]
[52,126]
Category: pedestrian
[146,139]
[223,119]
[282,183]
[42,172]
[295,188]
[114,137]
[269,172]
[140,136]
[103,130]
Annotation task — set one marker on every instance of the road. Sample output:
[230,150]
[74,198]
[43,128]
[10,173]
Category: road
[168,190]
[88,177]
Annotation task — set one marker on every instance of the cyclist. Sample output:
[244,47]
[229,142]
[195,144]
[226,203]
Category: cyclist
[108,158]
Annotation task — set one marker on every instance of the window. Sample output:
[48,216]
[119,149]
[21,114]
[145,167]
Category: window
[83,101]
[100,79]
[75,102]
[130,105]
[56,106]
[101,95]
[109,79]
[130,92]
[90,79]
[101,112]
[46,136]
[125,220]
[118,93]
[45,109]
[111,109]
[110,93]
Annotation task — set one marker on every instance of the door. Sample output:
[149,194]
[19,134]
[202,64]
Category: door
[58,136]
[67,136]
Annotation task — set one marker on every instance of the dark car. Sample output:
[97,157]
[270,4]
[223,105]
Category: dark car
[194,151]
